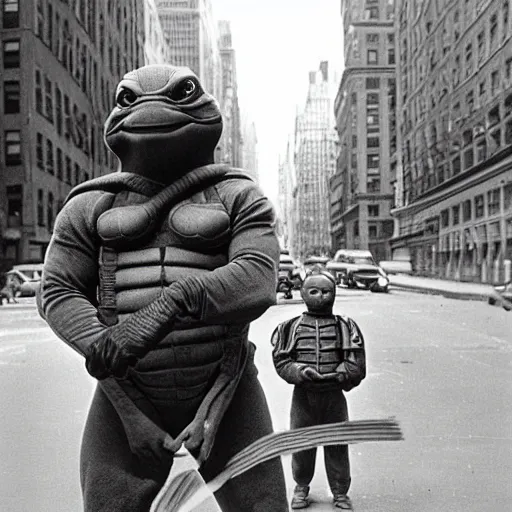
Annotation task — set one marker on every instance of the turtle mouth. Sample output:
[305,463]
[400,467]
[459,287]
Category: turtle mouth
[153,128]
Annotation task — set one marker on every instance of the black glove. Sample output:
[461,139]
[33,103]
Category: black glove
[123,344]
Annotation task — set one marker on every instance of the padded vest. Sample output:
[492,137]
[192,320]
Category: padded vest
[192,239]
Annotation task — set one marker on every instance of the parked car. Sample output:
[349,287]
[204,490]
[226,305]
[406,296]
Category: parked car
[502,296]
[27,278]
[286,269]
[310,261]
[357,268]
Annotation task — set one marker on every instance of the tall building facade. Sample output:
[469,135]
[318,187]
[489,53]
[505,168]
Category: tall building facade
[249,147]
[286,185]
[361,191]
[60,63]
[314,163]
[454,88]
[192,37]
[231,140]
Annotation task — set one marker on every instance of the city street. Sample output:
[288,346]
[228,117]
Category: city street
[442,367]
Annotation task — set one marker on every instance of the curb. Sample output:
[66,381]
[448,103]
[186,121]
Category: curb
[445,293]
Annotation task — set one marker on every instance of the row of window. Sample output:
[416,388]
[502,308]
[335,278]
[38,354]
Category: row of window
[472,209]
[55,106]
[56,163]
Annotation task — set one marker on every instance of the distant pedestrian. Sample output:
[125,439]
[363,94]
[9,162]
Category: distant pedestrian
[323,355]
[8,289]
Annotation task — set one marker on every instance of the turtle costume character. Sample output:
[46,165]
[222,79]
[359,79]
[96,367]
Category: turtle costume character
[154,274]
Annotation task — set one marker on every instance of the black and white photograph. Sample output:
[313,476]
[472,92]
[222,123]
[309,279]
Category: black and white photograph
[255,256]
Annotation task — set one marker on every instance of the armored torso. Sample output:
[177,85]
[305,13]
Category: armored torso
[317,342]
[192,239]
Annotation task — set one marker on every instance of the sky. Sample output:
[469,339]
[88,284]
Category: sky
[277,43]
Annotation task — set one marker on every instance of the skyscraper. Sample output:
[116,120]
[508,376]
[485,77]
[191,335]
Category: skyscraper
[230,143]
[361,190]
[249,147]
[315,142]
[191,33]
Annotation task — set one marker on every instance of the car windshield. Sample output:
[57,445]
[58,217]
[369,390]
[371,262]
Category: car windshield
[356,260]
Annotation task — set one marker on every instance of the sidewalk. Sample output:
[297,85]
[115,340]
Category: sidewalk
[452,289]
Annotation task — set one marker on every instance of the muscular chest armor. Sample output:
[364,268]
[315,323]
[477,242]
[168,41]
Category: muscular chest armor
[318,343]
[192,239]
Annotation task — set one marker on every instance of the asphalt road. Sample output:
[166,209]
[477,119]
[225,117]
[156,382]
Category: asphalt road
[442,367]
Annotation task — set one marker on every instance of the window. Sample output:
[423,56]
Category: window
[11,13]
[391,38]
[372,231]
[481,151]
[470,101]
[469,59]
[40,207]
[466,210]
[12,53]
[40,151]
[373,83]
[354,141]
[481,88]
[444,218]
[371,13]
[58,110]
[493,201]
[373,210]
[373,142]
[505,13]
[372,57]
[481,46]
[11,97]
[77,174]
[391,56]
[67,118]
[48,87]
[372,161]
[468,158]
[49,211]
[456,214]
[59,164]
[493,31]
[373,184]
[495,82]
[39,92]
[479,206]
[14,205]
[68,170]
[12,147]
[49,157]
[372,38]
[456,165]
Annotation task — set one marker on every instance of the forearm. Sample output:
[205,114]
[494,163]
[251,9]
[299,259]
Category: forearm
[290,371]
[68,292]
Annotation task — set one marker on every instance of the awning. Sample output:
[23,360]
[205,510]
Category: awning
[11,234]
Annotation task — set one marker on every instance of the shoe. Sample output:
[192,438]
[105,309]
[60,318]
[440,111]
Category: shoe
[342,501]
[300,497]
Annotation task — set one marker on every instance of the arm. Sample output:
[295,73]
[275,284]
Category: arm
[287,368]
[70,276]
[353,368]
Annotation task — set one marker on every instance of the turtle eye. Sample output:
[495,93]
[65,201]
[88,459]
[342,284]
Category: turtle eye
[125,98]
[185,90]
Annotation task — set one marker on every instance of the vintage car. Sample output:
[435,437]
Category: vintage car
[26,278]
[357,268]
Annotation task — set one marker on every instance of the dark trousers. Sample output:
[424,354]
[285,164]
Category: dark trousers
[318,408]
[112,481]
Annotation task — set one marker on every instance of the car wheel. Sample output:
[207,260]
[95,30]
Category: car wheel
[491,301]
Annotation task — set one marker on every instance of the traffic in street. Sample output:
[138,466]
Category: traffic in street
[442,367]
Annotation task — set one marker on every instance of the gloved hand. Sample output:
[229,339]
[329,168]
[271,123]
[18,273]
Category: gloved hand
[108,356]
[310,373]
[123,344]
